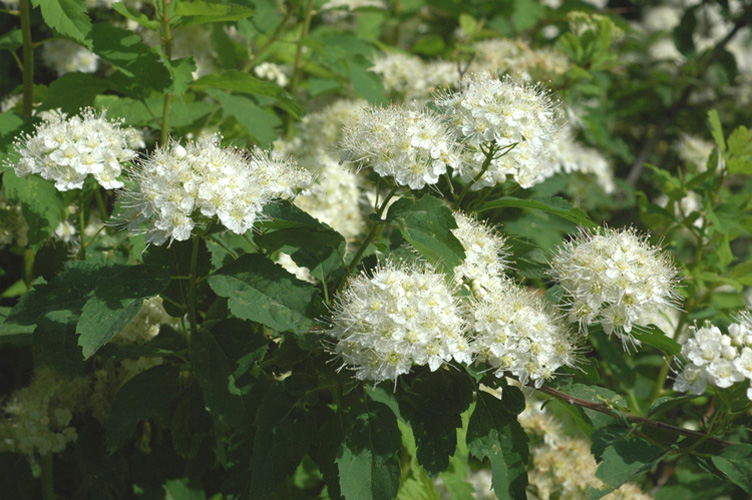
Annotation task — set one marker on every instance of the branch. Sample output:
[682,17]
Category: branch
[572,400]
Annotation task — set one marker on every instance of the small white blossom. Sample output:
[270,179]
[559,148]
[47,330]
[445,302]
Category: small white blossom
[614,277]
[67,150]
[413,146]
[515,331]
[177,185]
[410,77]
[398,317]
[66,57]
[485,253]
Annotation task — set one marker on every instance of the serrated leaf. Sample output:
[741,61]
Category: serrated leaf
[666,403]
[433,406]
[201,12]
[260,123]
[716,130]
[139,17]
[494,433]
[735,462]
[247,84]
[261,291]
[127,52]
[41,203]
[56,342]
[73,91]
[368,466]
[284,431]
[652,336]
[217,367]
[554,205]
[67,17]
[181,73]
[148,394]
[426,223]
[115,302]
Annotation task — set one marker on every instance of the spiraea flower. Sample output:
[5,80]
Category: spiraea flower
[67,150]
[65,57]
[494,114]
[485,253]
[411,145]
[514,331]
[615,277]
[399,316]
[411,77]
[177,185]
[715,358]
[570,156]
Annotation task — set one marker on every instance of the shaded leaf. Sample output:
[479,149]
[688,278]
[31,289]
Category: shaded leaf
[735,462]
[554,205]
[67,17]
[247,84]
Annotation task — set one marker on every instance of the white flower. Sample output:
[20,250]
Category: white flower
[411,145]
[485,253]
[67,150]
[491,114]
[570,156]
[694,151]
[176,185]
[271,71]
[65,231]
[515,331]
[65,57]
[614,277]
[412,78]
[398,317]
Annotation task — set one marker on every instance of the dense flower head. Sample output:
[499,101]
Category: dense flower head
[65,57]
[399,316]
[66,150]
[177,184]
[506,116]
[518,59]
[411,77]
[615,277]
[715,358]
[515,331]
[485,253]
[411,145]
[570,156]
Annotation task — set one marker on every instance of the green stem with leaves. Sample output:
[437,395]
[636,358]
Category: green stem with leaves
[82,226]
[24,9]
[490,153]
[192,283]
[167,47]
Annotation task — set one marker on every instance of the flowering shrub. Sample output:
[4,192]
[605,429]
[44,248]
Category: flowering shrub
[253,249]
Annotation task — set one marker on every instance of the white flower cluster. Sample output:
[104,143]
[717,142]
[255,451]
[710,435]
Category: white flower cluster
[410,77]
[176,184]
[518,59]
[615,277]
[271,71]
[570,156]
[399,317]
[717,359]
[694,151]
[14,227]
[485,253]
[66,150]
[411,145]
[145,325]
[37,418]
[495,114]
[65,57]
[515,331]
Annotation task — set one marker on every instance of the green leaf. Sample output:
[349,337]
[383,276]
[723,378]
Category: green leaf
[433,405]
[284,432]
[219,358]
[67,17]
[684,32]
[554,205]
[127,52]
[148,394]
[139,17]
[735,462]
[666,403]
[427,225]
[716,130]
[526,14]
[261,291]
[368,466]
[200,12]
[179,489]
[41,203]
[11,40]
[654,337]
[181,73]
[247,84]
[366,83]
[260,123]
[56,342]
[115,302]
[73,91]
[494,433]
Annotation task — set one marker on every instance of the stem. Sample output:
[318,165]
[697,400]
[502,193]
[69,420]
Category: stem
[167,47]
[28,267]
[483,168]
[24,9]
[371,234]
[82,227]
[273,38]
[192,287]
[100,204]
[48,478]
[606,410]
[298,62]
